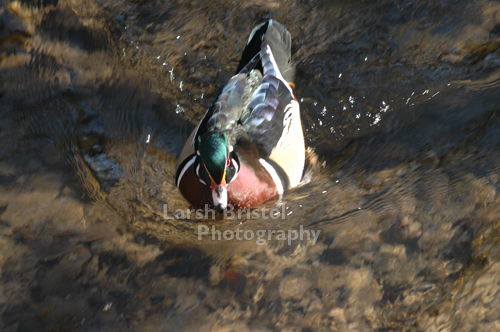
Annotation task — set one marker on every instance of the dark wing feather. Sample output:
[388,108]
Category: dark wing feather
[264,122]
[229,106]
[225,112]
[251,105]
[279,40]
[270,33]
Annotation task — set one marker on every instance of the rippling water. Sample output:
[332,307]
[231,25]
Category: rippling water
[400,108]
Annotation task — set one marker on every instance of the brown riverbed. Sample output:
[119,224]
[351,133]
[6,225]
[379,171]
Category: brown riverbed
[400,102]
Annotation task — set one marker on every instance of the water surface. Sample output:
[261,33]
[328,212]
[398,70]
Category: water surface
[399,103]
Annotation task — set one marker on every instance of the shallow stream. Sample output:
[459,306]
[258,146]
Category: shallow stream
[400,105]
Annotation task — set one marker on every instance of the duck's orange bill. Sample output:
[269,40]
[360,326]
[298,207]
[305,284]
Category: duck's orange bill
[219,193]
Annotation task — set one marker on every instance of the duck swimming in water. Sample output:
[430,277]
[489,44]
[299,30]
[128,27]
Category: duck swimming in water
[249,146]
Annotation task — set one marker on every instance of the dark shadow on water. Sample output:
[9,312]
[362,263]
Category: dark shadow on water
[184,263]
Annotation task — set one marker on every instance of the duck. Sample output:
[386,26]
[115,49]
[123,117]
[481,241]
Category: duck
[249,146]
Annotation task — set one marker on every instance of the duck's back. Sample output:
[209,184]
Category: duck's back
[252,105]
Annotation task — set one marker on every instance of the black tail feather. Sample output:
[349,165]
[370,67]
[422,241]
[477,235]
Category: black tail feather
[279,40]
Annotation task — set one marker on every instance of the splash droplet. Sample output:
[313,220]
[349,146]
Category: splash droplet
[171,71]
[179,109]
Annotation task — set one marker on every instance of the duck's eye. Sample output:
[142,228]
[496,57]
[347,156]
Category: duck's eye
[228,162]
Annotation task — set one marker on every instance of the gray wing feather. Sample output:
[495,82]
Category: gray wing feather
[264,123]
[252,103]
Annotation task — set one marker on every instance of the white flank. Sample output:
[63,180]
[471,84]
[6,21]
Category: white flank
[291,113]
[184,169]
[270,169]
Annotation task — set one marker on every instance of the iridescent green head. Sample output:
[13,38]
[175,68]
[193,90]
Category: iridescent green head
[214,152]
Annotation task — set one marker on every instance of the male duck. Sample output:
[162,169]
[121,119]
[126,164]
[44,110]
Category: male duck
[249,146]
